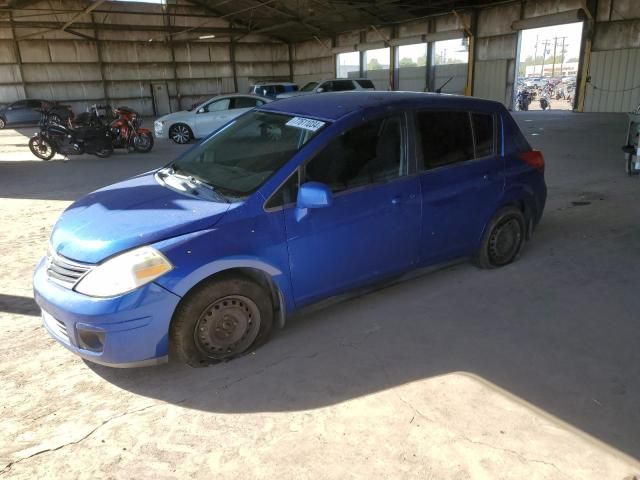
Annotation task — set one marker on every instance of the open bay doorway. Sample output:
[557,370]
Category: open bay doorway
[547,68]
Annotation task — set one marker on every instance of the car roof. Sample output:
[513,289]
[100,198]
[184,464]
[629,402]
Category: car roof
[266,84]
[335,105]
[235,95]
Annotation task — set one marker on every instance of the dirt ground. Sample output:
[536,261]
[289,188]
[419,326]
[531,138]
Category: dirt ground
[527,372]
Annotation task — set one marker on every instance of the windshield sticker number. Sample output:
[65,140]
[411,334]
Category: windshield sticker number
[305,123]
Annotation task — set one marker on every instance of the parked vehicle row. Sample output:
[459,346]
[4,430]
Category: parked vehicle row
[296,201]
[28,112]
[90,132]
[202,119]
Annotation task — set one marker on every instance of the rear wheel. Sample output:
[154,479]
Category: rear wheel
[104,151]
[41,148]
[503,239]
[143,142]
[180,133]
[220,320]
[3,123]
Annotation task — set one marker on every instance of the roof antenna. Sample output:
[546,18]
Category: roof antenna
[439,89]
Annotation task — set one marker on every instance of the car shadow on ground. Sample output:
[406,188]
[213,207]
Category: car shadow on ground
[538,328]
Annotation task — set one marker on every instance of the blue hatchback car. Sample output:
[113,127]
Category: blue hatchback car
[291,203]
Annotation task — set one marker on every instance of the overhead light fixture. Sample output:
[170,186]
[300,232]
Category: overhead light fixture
[205,37]
[151,39]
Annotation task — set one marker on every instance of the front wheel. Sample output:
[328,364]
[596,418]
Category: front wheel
[180,133]
[143,142]
[220,320]
[41,148]
[503,239]
[3,123]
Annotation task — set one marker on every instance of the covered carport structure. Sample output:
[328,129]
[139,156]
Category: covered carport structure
[529,371]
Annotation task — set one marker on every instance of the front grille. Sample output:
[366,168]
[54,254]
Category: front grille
[57,327]
[65,272]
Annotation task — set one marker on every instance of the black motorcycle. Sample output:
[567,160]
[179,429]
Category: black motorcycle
[94,139]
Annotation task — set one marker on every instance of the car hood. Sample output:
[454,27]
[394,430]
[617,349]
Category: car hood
[182,115]
[132,213]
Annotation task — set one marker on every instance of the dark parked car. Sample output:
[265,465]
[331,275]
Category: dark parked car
[27,112]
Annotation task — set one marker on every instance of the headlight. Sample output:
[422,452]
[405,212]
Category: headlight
[124,273]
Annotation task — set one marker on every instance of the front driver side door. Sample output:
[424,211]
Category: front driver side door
[211,116]
[372,228]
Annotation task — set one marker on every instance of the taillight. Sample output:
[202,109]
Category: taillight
[533,158]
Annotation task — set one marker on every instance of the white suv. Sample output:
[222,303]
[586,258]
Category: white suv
[334,85]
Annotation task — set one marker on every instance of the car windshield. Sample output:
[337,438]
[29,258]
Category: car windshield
[236,160]
[309,87]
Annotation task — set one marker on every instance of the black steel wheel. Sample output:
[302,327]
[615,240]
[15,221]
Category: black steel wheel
[503,240]
[41,148]
[180,133]
[220,319]
[227,327]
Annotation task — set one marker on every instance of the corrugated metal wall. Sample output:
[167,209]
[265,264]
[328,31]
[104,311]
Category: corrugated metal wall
[615,81]
[119,66]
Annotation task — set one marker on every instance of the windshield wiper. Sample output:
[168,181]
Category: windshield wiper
[195,181]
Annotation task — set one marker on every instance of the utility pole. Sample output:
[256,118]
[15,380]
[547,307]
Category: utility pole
[544,54]
[555,45]
[535,59]
[562,52]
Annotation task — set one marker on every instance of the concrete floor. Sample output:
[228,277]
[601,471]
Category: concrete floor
[531,371]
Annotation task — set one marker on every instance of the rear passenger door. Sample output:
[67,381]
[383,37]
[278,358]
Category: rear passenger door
[462,180]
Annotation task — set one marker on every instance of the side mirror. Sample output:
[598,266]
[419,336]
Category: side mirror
[320,90]
[312,195]
[200,110]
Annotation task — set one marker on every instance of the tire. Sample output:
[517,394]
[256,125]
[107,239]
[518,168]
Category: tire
[104,152]
[41,148]
[146,145]
[219,320]
[3,123]
[630,165]
[503,239]
[180,133]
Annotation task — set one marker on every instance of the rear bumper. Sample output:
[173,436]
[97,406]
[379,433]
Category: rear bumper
[130,330]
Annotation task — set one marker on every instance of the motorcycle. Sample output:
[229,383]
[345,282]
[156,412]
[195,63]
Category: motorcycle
[544,103]
[56,138]
[523,100]
[126,131]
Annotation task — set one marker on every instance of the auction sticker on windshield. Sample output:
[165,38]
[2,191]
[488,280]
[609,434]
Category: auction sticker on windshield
[305,123]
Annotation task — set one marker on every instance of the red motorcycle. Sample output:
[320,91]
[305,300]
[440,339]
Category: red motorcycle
[126,132]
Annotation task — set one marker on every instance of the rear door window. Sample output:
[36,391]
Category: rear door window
[445,137]
[343,85]
[243,102]
[484,134]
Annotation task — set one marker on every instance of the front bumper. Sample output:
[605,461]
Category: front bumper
[125,331]
[160,130]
